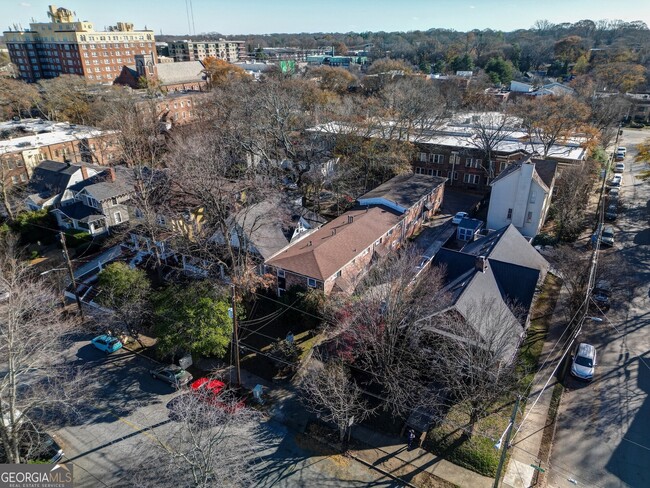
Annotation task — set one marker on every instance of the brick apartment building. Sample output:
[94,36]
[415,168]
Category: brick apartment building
[335,257]
[24,144]
[188,50]
[176,108]
[66,46]
[452,150]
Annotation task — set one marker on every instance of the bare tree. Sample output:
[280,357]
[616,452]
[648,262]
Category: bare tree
[35,377]
[377,330]
[473,355]
[329,391]
[211,442]
[570,198]
[490,130]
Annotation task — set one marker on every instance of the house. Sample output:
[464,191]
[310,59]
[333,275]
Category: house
[99,202]
[520,87]
[521,196]
[501,269]
[468,229]
[640,106]
[554,88]
[335,257]
[267,227]
[50,183]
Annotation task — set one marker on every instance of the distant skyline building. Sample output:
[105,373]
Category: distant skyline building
[66,46]
[189,50]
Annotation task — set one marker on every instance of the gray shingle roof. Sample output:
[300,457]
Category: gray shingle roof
[80,212]
[544,168]
[101,188]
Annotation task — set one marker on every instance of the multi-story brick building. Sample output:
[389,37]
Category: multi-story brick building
[454,150]
[185,50]
[176,108]
[66,46]
[335,257]
[26,143]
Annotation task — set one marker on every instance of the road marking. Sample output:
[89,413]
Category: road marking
[139,429]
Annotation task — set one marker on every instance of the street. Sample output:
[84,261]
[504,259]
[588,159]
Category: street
[603,427]
[119,428]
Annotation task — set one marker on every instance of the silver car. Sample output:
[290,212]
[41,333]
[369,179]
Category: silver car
[584,362]
[172,374]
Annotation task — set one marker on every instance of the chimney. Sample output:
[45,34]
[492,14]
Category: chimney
[84,172]
[481,264]
[111,174]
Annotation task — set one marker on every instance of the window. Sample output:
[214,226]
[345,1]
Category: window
[472,179]
[280,273]
[311,282]
[436,158]
[503,166]
[423,157]
[14,180]
[533,196]
[118,217]
[529,217]
[338,274]
[114,201]
[472,163]
[509,217]
[23,177]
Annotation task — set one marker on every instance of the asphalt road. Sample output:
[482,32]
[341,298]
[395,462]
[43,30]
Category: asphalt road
[129,410]
[603,430]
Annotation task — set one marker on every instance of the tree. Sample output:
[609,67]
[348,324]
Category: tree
[36,378]
[338,80]
[66,98]
[17,98]
[206,445]
[377,331]
[473,355]
[570,197]
[643,156]
[551,120]
[499,70]
[125,292]
[193,319]
[385,65]
[219,72]
[623,76]
[569,49]
[490,130]
[329,391]
[461,63]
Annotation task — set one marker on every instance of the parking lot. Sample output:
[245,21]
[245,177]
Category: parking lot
[603,429]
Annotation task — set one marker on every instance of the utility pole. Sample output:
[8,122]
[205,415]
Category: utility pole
[504,448]
[69,265]
[235,333]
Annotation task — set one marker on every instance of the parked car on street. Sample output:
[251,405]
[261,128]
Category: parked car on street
[611,212]
[616,181]
[458,217]
[600,295]
[619,168]
[41,447]
[106,343]
[614,193]
[212,391]
[172,374]
[584,362]
[620,153]
[606,236]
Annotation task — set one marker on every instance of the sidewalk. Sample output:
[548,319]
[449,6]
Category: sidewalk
[391,455]
[526,445]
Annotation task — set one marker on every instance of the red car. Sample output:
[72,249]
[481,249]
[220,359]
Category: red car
[211,390]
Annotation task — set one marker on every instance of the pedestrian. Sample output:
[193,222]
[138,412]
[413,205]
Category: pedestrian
[411,437]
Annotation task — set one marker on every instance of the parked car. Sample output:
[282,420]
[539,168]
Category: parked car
[620,153]
[584,362]
[611,212]
[213,392]
[458,217]
[614,193]
[619,168]
[172,374]
[616,181]
[42,448]
[106,343]
[601,294]
[606,236]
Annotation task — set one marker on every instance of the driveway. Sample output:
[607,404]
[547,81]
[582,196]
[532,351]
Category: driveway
[129,410]
[603,429]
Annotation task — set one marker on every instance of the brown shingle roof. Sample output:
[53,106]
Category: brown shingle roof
[321,254]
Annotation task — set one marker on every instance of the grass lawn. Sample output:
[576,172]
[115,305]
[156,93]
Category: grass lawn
[478,453]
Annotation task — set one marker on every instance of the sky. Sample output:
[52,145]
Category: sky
[272,16]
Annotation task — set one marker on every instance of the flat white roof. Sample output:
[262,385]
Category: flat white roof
[45,133]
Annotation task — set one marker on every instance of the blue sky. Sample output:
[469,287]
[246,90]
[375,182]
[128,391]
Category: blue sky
[269,16]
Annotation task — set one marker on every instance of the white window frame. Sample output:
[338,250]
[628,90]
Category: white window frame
[280,273]
[473,162]
[117,216]
[472,179]
[311,282]
[509,214]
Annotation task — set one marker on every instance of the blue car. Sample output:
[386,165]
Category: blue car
[106,343]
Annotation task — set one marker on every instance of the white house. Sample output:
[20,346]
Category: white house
[521,196]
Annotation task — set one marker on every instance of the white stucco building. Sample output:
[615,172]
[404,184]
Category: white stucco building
[521,196]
